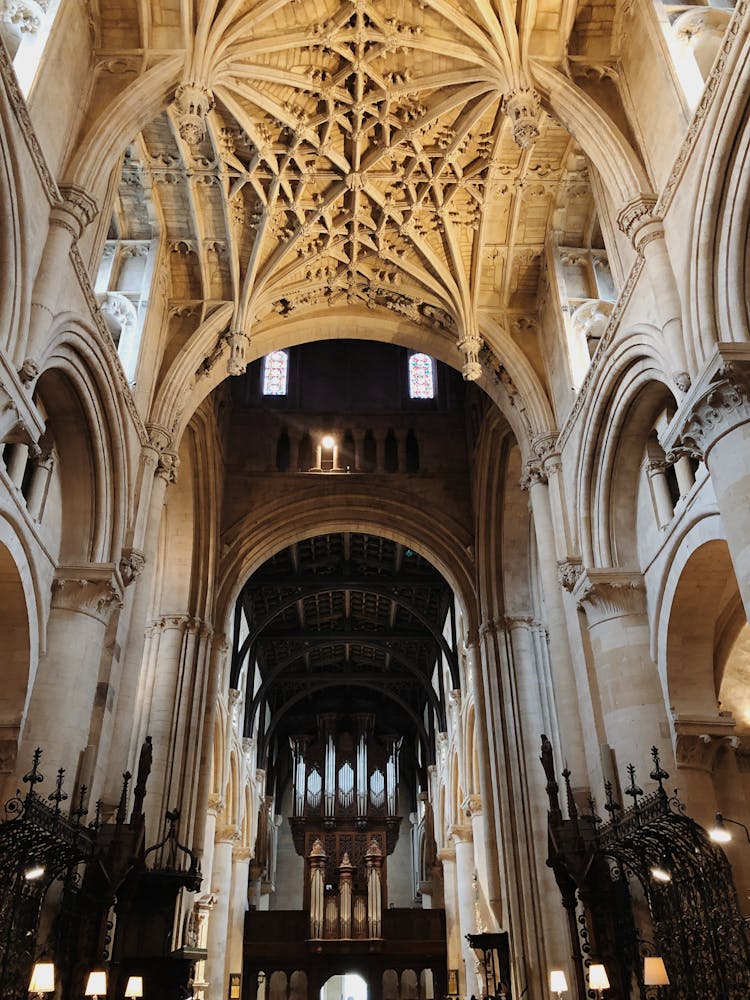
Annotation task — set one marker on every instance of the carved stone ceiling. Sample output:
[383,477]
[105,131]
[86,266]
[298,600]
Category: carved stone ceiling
[377,153]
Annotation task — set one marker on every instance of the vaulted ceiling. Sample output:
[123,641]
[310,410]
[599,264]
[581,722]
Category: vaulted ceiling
[391,154]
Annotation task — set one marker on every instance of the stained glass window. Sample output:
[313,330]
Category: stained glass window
[276,373]
[421,377]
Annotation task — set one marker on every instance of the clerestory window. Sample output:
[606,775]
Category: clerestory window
[276,373]
[421,376]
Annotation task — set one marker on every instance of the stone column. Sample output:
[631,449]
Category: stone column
[464,847]
[629,688]
[66,684]
[713,424]
[67,221]
[569,741]
[40,479]
[485,817]
[454,943]
[218,924]
[158,470]
[238,905]
[646,232]
[401,436]
[656,471]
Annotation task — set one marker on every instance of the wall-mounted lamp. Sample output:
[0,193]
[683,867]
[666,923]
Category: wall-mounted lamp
[328,441]
[558,983]
[97,984]
[134,987]
[42,979]
[598,979]
[34,872]
[719,833]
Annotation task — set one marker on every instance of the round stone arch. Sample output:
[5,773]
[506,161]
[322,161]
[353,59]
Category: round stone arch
[699,619]
[630,394]
[517,391]
[23,617]
[269,529]
[720,238]
[75,386]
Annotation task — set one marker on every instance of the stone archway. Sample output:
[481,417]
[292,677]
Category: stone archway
[17,650]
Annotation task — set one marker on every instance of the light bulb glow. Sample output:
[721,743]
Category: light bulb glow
[34,872]
[720,835]
[328,442]
[660,874]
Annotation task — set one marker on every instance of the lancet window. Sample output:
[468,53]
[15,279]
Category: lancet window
[276,373]
[421,376]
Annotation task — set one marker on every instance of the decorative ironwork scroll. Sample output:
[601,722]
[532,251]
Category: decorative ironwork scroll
[689,909]
[38,845]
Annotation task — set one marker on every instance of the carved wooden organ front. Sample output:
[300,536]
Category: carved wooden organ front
[345,823]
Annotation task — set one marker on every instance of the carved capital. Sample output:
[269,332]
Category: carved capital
[227,833]
[471,345]
[75,211]
[610,593]
[461,833]
[636,219]
[569,571]
[723,406]
[87,590]
[447,854]
[534,474]
[700,751]
[131,565]
[242,853]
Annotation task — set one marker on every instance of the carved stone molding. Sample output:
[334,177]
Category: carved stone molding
[636,219]
[700,752]
[522,106]
[609,593]
[88,590]
[717,403]
[242,853]
[472,805]
[193,101]
[131,565]
[569,571]
[75,211]
[238,344]
[216,804]
[461,833]
[534,474]
[724,406]
[228,833]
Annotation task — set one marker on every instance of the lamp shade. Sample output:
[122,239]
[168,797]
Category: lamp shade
[42,978]
[97,984]
[654,972]
[134,987]
[557,981]
[598,977]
